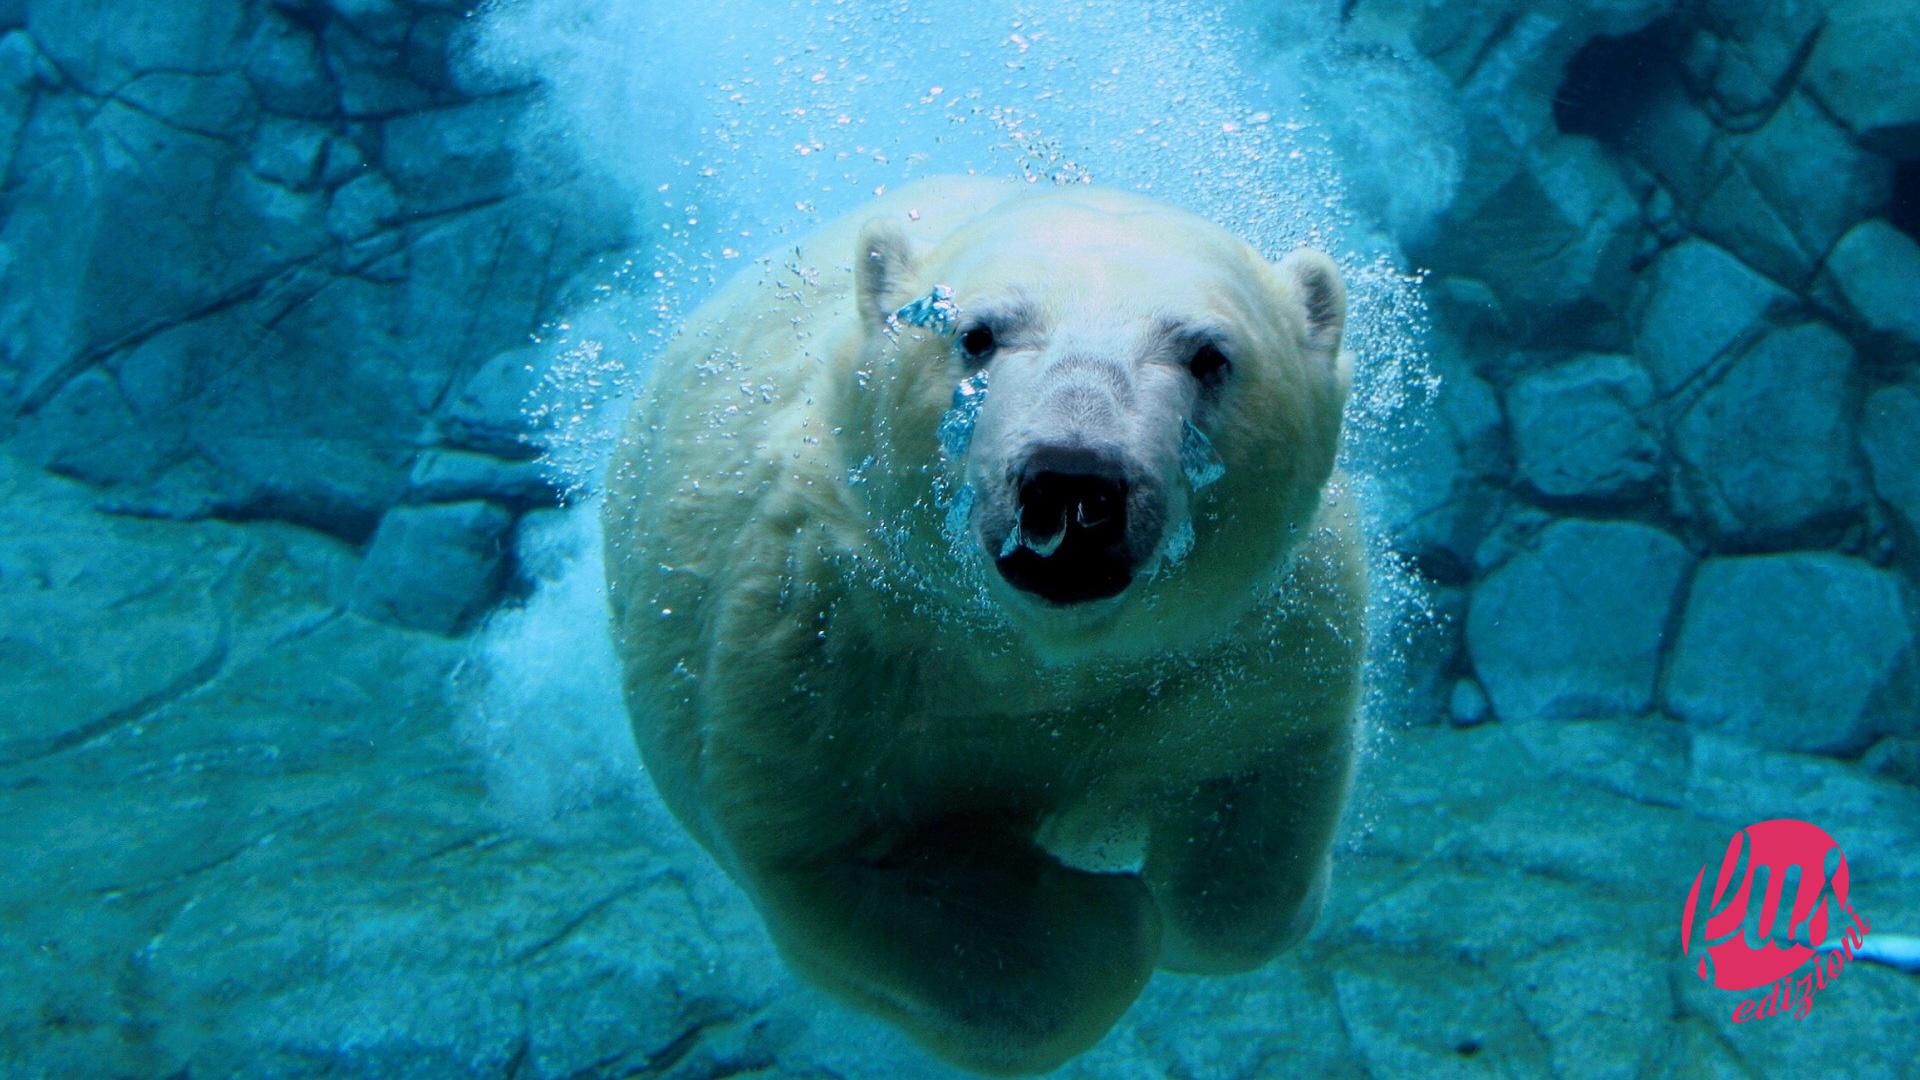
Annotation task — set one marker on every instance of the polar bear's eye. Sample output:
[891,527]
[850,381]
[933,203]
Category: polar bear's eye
[1209,365]
[977,342]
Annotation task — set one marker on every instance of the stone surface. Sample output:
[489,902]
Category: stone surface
[457,475]
[1666,131]
[1467,705]
[1862,70]
[1874,273]
[1791,189]
[449,158]
[491,410]
[1572,627]
[68,675]
[1896,757]
[434,567]
[288,70]
[1586,1001]
[252,249]
[1724,773]
[1643,759]
[1581,430]
[1890,434]
[1759,466]
[1746,55]
[1693,305]
[1555,240]
[1796,652]
[362,207]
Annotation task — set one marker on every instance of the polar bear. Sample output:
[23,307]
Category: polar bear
[946,633]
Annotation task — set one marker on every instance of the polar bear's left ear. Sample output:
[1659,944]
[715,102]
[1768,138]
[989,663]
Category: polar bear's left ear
[882,269]
[1316,281]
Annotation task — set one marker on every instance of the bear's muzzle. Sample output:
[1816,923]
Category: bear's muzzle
[1070,542]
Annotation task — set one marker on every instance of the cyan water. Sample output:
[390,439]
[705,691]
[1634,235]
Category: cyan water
[318,320]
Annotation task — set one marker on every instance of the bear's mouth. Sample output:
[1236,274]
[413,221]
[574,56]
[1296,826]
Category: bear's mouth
[1068,544]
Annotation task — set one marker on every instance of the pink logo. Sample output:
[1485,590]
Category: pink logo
[1781,888]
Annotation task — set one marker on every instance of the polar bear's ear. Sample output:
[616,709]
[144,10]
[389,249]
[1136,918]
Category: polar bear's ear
[882,268]
[1316,281]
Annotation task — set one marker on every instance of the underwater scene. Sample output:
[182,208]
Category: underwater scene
[854,539]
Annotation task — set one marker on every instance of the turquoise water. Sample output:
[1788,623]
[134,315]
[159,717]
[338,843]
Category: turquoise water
[319,321]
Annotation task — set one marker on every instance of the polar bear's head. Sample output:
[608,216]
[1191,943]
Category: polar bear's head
[1121,344]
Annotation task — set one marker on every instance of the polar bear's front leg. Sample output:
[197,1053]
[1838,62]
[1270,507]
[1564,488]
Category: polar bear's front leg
[1239,865]
[970,937]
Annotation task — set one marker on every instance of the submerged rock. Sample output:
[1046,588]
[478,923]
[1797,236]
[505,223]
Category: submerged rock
[1467,705]
[1744,56]
[1693,305]
[1790,190]
[1890,434]
[1896,757]
[291,153]
[434,567]
[1873,273]
[1805,651]
[444,476]
[257,256]
[361,207]
[452,157]
[1862,72]
[185,37]
[68,676]
[250,247]
[490,411]
[1573,626]
[1764,455]
[287,69]
[91,431]
[1581,429]
[1555,240]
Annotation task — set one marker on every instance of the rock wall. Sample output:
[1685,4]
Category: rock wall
[1677,317]
[272,260]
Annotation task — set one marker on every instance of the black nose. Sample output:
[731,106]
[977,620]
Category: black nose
[1069,543]
[1054,505]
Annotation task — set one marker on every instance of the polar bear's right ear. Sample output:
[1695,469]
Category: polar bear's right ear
[882,269]
[1315,279]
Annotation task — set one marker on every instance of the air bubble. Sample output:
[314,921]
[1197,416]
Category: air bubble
[959,515]
[1179,545]
[1198,459]
[936,311]
[956,426]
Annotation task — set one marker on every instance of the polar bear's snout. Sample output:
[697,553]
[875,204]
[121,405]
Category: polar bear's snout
[1073,463]
[1080,528]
